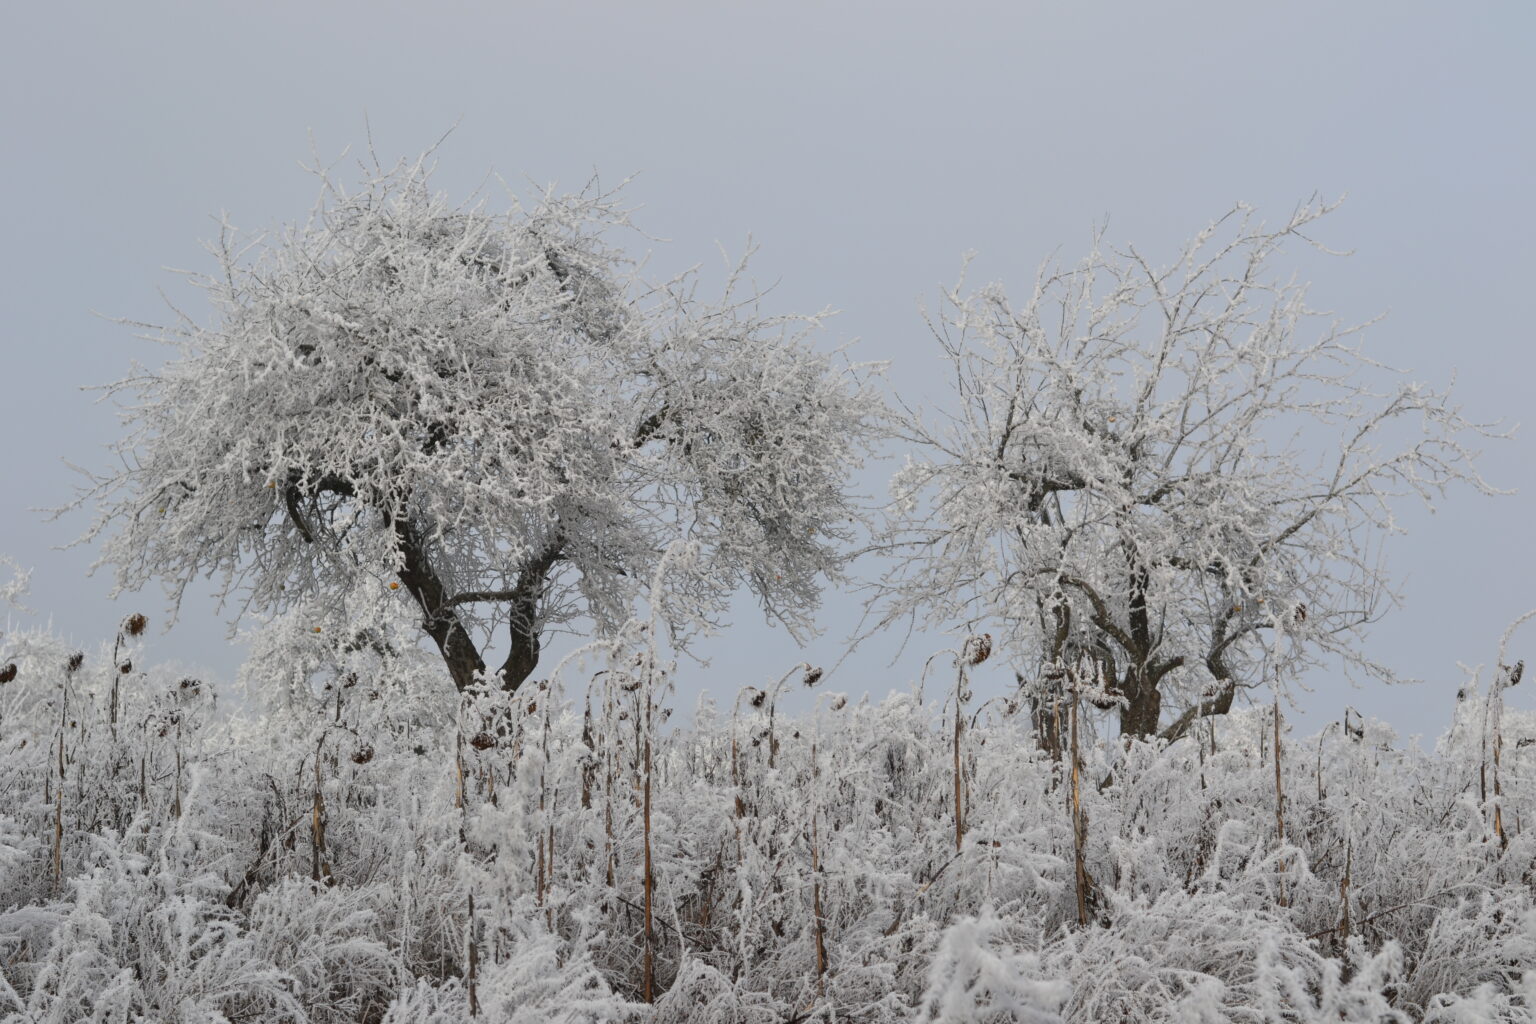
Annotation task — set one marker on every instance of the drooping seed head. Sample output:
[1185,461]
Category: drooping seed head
[978,648]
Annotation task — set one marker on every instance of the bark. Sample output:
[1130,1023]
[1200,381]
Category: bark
[523,625]
[1218,703]
[439,619]
[1144,708]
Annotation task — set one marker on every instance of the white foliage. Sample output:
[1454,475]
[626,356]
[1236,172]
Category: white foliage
[972,982]
[1177,473]
[492,411]
[12,591]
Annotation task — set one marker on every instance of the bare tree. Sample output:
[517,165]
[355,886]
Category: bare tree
[1173,479]
[492,411]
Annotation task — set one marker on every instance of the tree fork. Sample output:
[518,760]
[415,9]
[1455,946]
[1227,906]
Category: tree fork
[439,620]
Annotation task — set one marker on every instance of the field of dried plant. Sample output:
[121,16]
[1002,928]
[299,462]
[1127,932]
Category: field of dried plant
[373,848]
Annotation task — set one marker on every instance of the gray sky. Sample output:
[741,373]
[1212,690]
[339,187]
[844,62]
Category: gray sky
[866,146]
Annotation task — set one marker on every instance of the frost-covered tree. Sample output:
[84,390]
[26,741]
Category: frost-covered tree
[492,413]
[1166,481]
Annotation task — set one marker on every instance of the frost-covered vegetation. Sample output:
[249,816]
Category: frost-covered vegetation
[414,434]
[368,845]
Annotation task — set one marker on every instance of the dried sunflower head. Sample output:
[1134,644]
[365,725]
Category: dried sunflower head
[978,649]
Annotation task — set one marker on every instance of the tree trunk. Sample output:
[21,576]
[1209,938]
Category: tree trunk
[440,621]
[523,624]
[524,657]
[1145,706]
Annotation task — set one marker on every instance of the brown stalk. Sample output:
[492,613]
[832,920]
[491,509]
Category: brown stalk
[472,975]
[588,768]
[1349,856]
[1079,820]
[458,772]
[549,836]
[959,776]
[1321,737]
[58,805]
[819,919]
[176,797]
[58,809]
[58,837]
[610,762]
[538,876]
[1507,676]
[319,865]
[1279,785]
[648,985]
[1279,800]
[608,847]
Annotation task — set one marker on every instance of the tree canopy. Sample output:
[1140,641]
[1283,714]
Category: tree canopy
[1164,480]
[493,413]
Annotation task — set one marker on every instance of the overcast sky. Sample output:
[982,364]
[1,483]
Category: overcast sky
[865,146]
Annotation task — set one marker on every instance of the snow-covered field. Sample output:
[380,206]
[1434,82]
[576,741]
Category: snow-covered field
[370,848]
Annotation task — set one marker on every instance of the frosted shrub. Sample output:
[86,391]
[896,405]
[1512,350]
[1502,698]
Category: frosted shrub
[973,981]
[328,941]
